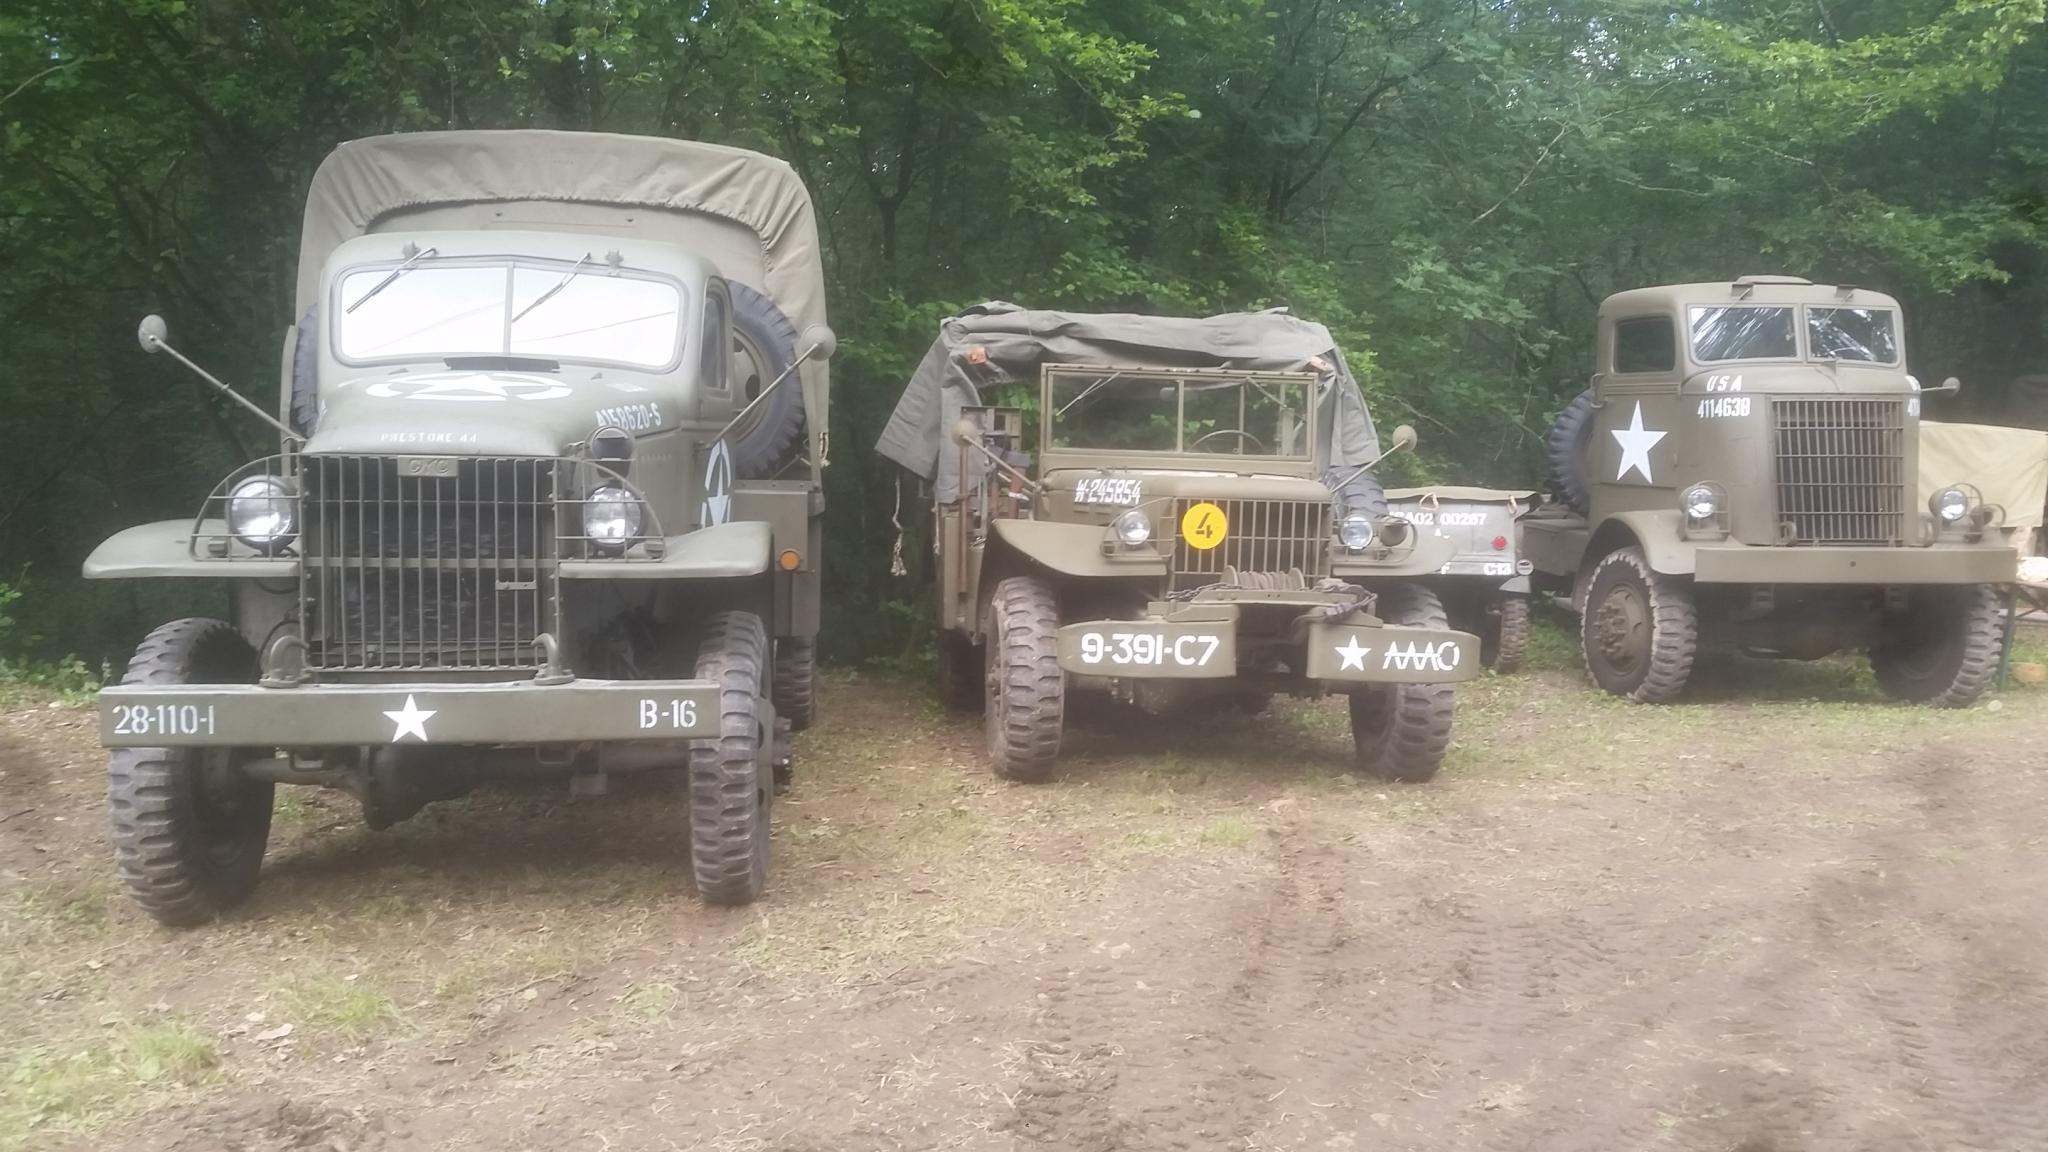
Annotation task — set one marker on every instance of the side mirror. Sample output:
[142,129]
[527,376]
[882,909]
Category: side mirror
[1404,436]
[966,432]
[818,341]
[152,333]
[1949,387]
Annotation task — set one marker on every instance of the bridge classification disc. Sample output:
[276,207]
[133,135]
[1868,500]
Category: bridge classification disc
[1204,526]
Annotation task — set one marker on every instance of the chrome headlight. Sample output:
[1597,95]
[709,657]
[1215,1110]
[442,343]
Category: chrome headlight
[263,512]
[611,518]
[1133,528]
[1701,502]
[1950,504]
[1355,532]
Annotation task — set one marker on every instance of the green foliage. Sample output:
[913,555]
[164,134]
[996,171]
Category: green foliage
[1451,188]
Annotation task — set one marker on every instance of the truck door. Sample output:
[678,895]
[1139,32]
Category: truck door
[1633,456]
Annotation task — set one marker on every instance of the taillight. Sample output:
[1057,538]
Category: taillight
[1500,543]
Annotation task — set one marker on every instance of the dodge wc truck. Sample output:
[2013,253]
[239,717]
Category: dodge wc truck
[546,499]
[1742,472]
[1173,511]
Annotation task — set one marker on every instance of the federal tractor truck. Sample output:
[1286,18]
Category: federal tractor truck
[1171,512]
[1743,474]
[545,500]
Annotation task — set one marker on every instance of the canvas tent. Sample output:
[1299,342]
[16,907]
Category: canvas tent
[1019,340]
[745,212]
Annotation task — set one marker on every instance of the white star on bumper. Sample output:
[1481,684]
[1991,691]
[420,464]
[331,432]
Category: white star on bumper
[412,719]
[1636,443]
[1352,653]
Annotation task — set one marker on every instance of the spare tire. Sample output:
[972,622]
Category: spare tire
[1565,450]
[1360,493]
[305,412]
[764,346]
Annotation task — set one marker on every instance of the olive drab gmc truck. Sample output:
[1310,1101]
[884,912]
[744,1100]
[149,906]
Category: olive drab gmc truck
[546,498]
[1743,473]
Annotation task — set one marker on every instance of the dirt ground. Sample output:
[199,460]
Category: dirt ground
[1785,915]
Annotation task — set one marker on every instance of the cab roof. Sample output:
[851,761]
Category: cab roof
[1744,290]
[681,191]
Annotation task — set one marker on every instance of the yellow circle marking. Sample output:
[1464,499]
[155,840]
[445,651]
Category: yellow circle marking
[1204,526]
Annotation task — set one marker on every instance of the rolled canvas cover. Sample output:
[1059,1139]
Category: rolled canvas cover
[1019,340]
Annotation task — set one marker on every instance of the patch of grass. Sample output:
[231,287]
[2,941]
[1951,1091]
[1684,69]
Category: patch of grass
[330,1004]
[1226,832]
[292,807]
[648,1002]
[64,907]
[50,1091]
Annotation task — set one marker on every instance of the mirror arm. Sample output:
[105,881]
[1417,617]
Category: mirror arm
[1368,466]
[224,390]
[763,394]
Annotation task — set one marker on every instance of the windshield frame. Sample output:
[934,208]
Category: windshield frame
[1114,458]
[1801,322]
[509,262]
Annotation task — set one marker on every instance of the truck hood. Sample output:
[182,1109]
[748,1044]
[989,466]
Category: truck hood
[1846,378]
[463,413]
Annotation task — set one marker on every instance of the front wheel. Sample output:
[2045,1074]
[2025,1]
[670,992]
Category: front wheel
[189,826]
[1505,641]
[1638,630]
[1401,731]
[730,793]
[1943,649]
[796,681]
[1024,690]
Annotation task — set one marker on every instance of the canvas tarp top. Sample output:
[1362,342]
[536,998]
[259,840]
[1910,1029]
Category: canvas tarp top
[2008,465]
[1461,492]
[746,212]
[1019,340]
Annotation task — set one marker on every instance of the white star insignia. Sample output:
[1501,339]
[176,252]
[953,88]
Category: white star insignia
[410,719]
[1352,653]
[1636,443]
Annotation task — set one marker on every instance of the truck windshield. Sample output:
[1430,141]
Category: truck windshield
[1851,334]
[1220,413]
[560,311]
[1743,333]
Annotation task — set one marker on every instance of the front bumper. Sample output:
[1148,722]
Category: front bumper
[1729,563]
[325,715]
[1201,643]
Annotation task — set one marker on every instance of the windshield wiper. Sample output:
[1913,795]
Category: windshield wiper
[417,256]
[550,293]
[1090,390]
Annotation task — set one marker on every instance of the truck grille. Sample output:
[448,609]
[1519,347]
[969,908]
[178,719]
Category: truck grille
[453,571]
[1841,470]
[1263,536]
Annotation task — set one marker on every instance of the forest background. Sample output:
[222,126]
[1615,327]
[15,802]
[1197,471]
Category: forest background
[1450,186]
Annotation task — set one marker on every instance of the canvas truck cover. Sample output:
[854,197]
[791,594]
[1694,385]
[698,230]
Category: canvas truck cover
[1020,340]
[747,213]
[2008,465]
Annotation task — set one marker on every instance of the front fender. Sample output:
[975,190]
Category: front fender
[1073,549]
[720,552]
[1429,554]
[1659,532]
[164,549]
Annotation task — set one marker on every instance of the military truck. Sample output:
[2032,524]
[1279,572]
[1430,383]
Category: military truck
[546,499]
[1485,585]
[1742,473]
[1199,522]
